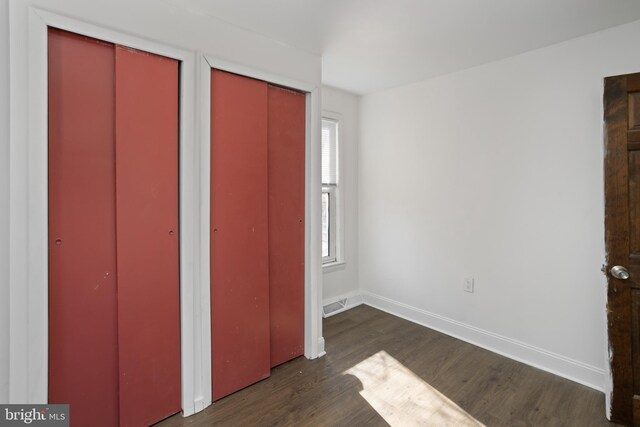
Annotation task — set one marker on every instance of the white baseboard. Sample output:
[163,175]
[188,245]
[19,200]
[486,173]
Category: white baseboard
[321,350]
[557,364]
[346,302]
[201,403]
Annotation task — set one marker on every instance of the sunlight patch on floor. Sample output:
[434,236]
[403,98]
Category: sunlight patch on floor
[404,399]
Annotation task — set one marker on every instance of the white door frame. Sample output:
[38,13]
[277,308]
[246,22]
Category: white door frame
[28,338]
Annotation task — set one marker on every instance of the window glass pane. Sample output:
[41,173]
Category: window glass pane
[326,154]
[329,150]
[325,225]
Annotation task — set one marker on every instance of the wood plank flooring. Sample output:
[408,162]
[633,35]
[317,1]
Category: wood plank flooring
[421,377]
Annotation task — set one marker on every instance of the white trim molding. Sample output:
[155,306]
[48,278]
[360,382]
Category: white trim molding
[339,213]
[202,325]
[28,336]
[554,363]
[321,349]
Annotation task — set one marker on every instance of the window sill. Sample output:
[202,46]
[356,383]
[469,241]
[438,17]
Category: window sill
[333,266]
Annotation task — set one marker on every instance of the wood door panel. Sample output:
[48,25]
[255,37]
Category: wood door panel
[634,202]
[83,365]
[633,136]
[634,270]
[633,82]
[287,120]
[239,233]
[147,236]
[622,239]
[634,111]
[635,331]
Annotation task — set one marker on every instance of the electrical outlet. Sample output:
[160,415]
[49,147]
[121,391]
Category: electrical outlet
[468,284]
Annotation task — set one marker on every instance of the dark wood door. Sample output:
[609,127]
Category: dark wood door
[622,238]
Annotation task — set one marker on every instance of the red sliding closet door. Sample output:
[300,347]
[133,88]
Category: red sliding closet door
[287,121]
[147,236]
[83,324]
[114,326]
[239,233]
[257,229]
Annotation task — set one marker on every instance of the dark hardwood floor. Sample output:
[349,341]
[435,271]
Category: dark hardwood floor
[382,370]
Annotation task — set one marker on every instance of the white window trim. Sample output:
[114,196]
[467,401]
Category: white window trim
[340,190]
[332,257]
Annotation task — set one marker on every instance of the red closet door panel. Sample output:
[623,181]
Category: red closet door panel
[239,233]
[83,346]
[147,236]
[287,120]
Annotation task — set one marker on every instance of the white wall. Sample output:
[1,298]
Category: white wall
[161,21]
[496,173]
[343,279]
[4,195]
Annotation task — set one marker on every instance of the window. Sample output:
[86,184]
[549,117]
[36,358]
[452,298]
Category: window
[330,189]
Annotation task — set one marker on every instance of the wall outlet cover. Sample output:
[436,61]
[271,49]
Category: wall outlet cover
[468,284]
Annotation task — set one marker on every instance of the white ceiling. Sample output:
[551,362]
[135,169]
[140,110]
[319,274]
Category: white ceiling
[370,45]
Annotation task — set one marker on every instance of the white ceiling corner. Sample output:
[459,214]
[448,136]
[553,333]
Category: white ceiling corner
[371,45]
